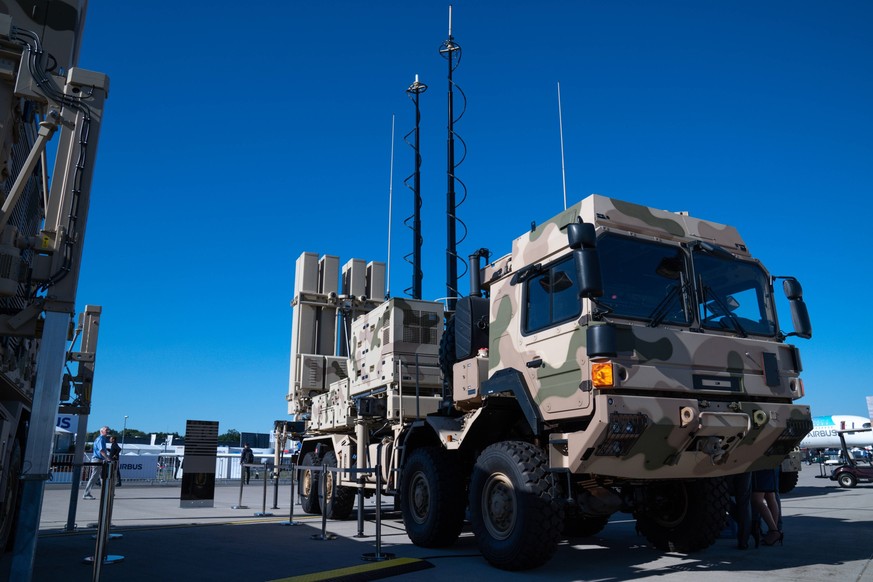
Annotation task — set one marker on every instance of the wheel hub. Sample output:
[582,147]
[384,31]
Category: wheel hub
[420,497]
[499,506]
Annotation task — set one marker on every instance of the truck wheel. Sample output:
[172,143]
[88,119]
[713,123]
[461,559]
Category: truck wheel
[9,500]
[683,516]
[847,480]
[514,506]
[308,483]
[340,500]
[432,498]
[788,481]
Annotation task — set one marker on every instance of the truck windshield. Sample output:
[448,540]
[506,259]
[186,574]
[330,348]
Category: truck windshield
[652,281]
[733,295]
[643,280]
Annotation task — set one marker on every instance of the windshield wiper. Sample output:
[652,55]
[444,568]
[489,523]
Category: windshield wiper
[725,309]
[663,308]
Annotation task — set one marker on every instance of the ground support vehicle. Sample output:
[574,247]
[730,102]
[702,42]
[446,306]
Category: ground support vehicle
[620,358]
[852,470]
[42,229]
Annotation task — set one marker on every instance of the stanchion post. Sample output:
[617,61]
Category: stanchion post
[378,556]
[277,470]
[291,503]
[107,473]
[360,533]
[322,484]
[242,482]
[263,512]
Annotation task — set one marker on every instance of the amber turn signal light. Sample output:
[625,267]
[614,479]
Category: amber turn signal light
[602,375]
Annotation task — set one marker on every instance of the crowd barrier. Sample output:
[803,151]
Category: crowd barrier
[104,519]
[107,496]
[324,535]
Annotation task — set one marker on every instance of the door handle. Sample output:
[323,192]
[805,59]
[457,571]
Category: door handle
[535,363]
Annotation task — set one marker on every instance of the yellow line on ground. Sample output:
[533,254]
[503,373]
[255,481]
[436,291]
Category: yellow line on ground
[350,571]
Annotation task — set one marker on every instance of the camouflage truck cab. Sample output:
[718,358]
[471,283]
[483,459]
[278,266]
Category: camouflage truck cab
[698,380]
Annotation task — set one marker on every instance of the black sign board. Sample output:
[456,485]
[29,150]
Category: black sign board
[198,478]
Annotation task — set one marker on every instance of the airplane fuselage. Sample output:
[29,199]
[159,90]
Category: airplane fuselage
[824,432]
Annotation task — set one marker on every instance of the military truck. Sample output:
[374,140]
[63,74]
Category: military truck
[619,359]
[50,112]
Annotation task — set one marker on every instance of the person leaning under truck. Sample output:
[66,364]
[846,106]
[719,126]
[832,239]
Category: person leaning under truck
[100,455]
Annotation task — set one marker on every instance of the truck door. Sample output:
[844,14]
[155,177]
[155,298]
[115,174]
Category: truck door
[553,340]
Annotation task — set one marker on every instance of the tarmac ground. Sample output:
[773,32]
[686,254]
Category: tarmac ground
[828,536]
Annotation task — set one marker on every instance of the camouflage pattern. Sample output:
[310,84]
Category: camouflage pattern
[710,386]
[389,340]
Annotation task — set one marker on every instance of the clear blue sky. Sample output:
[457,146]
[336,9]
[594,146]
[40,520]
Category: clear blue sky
[238,136]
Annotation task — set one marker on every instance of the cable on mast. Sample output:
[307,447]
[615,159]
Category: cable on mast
[451,51]
[414,258]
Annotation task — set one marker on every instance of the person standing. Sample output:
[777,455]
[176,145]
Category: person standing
[247,457]
[114,454]
[100,454]
[765,484]
[740,486]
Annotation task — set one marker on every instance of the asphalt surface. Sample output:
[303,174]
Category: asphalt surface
[828,536]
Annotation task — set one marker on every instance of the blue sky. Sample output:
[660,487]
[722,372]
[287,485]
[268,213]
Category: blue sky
[238,136]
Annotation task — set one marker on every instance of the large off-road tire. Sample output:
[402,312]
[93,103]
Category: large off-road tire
[432,498]
[847,480]
[514,507]
[338,501]
[683,516]
[307,484]
[10,497]
[788,481]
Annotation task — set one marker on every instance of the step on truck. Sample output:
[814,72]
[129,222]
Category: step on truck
[620,359]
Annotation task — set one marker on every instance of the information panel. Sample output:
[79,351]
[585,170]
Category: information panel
[198,480]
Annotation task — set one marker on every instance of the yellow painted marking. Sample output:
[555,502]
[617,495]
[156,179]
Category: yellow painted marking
[350,571]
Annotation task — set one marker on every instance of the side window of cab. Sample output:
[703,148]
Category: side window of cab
[551,297]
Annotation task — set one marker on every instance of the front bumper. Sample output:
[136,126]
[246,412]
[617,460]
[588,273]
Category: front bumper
[640,437]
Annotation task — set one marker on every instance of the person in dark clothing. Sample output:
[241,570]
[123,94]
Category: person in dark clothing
[741,508]
[114,452]
[247,457]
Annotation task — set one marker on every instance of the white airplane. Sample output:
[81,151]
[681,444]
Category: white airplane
[824,432]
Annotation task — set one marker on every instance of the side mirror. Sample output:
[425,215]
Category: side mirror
[792,289]
[601,341]
[583,240]
[799,313]
[588,267]
[581,235]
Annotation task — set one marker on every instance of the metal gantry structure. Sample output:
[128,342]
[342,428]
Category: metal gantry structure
[45,99]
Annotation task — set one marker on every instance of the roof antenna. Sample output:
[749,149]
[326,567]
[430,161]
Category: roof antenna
[414,91]
[390,204]
[561,129]
[451,51]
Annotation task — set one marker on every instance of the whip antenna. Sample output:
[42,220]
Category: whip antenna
[390,205]
[561,130]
